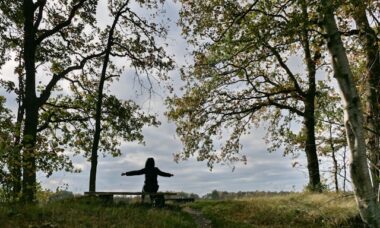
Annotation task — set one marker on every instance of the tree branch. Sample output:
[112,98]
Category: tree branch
[286,68]
[40,4]
[56,77]
[62,25]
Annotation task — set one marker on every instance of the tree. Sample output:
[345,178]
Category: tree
[331,137]
[10,41]
[365,196]
[368,39]
[242,75]
[56,36]
[118,45]
[91,121]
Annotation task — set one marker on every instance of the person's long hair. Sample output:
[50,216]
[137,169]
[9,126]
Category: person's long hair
[149,164]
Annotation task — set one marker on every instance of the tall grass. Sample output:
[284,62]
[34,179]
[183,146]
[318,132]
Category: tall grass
[293,210]
[86,212]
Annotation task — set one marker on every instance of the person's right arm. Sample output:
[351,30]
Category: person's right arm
[134,172]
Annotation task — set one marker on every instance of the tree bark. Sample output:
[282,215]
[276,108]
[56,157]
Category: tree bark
[311,149]
[365,196]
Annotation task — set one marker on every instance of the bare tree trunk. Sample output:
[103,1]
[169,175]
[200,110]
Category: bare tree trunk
[365,196]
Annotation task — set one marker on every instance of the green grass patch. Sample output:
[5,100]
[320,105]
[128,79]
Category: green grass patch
[292,210]
[86,212]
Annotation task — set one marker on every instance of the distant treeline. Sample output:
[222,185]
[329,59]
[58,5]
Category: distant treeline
[222,195]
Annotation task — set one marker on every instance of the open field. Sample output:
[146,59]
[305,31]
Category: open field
[291,210]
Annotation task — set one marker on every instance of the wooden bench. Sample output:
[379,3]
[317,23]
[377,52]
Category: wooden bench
[157,199]
[182,200]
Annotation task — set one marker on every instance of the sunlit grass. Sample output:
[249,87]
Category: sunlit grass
[293,210]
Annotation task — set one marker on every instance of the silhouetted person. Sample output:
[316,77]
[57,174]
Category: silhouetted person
[151,172]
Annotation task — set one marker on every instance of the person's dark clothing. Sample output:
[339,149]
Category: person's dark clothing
[151,184]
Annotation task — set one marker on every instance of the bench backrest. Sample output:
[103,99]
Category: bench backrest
[129,193]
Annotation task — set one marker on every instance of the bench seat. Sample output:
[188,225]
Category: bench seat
[158,198]
[129,193]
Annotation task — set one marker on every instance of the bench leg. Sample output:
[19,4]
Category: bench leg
[106,198]
[158,200]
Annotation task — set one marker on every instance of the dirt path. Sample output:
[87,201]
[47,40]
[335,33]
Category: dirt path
[198,217]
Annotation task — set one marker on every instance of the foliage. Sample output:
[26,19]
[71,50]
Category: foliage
[242,75]
[122,121]
[331,135]
[52,41]
[6,134]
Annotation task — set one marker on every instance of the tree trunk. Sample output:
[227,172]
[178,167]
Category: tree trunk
[344,168]
[99,103]
[369,41]
[365,196]
[335,161]
[15,162]
[31,106]
[309,113]
[311,149]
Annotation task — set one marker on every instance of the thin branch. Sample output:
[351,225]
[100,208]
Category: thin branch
[288,71]
[40,4]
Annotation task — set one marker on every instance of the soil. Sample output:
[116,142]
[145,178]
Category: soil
[198,217]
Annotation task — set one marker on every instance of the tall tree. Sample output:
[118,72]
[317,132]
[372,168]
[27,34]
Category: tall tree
[56,41]
[89,120]
[365,196]
[368,39]
[118,45]
[243,74]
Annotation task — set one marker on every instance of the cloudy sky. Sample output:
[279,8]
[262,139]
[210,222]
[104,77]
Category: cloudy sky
[264,171]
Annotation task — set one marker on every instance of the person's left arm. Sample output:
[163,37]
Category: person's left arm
[159,172]
[133,173]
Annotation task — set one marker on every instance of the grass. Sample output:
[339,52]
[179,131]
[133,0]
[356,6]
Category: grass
[293,210]
[92,213]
